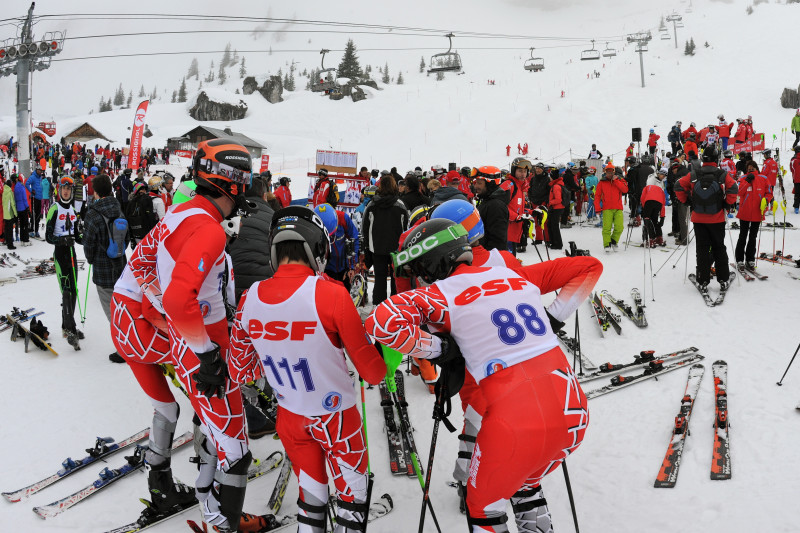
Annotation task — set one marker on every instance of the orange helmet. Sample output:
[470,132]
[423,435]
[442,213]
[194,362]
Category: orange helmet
[224,166]
[490,174]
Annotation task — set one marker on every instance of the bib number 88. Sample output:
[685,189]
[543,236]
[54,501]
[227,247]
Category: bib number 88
[510,331]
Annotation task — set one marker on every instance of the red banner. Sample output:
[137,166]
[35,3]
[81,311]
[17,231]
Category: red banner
[264,163]
[755,144]
[48,127]
[136,135]
[186,154]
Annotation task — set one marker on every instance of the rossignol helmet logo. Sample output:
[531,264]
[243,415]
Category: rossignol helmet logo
[332,401]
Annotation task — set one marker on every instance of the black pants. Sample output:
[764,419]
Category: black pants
[382,265]
[8,231]
[565,212]
[553,228]
[66,270]
[22,217]
[746,245]
[796,139]
[676,219]
[796,191]
[675,147]
[341,276]
[710,240]
[633,202]
[650,215]
[36,216]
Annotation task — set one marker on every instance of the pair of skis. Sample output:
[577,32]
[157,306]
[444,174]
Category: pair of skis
[400,448]
[703,290]
[651,370]
[605,319]
[749,274]
[634,312]
[779,259]
[721,456]
[642,360]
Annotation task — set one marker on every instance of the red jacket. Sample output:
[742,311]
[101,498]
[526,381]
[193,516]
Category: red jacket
[701,135]
[653,139]
[556,201]
[728,166]
[628,151]
[794,166]
[284,196]
[770,170]
[463,186]
[750,197]
[683,190]
[321,191]
[741,133]
[724,129]
[608,194]
[516,206]
[687,131]
[748,131]
[689,147]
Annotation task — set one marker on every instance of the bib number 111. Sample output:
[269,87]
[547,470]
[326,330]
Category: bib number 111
[301,368]
[510,330]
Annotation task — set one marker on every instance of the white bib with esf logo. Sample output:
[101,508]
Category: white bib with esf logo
[497,319]
[307,372]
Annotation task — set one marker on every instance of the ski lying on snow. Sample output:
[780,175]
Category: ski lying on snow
[721,460]
[643,359]
[653,370]
[636,315]
[104,446]
[150,517]
[279,491]
[668,474]
[108,476]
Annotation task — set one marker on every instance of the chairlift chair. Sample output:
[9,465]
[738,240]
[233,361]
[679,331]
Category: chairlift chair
[591,54]
[665,37]
[327,76]
[679,24]
[534,64]
[641,47]
[446,61]
[609,52]
[674,17]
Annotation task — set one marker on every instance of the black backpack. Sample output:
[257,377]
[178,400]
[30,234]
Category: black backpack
[708,190]
[140,215]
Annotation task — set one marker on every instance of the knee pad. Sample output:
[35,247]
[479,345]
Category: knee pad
[206,464]
[162,433]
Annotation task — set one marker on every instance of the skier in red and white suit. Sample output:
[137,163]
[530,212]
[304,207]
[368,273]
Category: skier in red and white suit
[497,318]
[181,263]
[298,325]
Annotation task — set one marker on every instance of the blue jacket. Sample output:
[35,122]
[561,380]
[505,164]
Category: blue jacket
[20,196]
[34,185]
[345,230]
[47,189]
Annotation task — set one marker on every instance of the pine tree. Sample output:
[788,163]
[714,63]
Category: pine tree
[385,78]
[706,45]
[686,50]
[692,45]
[421,64]
[154,94]
[182,91]
[226,56]
[129,100]
[349,67]
[242,70]
[222,76]
[399,78]
[235,57]
[102,106]
[142,94]
[290,85]
[194,69]
[174,96]
[119,96]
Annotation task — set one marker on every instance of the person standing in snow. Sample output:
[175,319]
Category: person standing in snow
[507,341]
[594,153]
[9,214]
[795,127]
[724,129]
[652,141]
[653,209]
[794,166]
[674,137]
[608,203]
[754,194]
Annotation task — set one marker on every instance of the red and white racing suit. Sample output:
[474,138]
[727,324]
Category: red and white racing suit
[536,413]
[293,329]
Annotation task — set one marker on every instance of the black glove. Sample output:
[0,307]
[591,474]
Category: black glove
[555,323]
[212,376]
[133,245]
[66,240]
[750,177]
[450,349]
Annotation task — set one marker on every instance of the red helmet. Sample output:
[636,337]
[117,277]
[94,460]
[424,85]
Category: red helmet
[224,166]
[490,174]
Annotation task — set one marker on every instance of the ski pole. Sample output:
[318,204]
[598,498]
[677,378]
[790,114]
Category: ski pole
[441,410]
[730,238]
[783,240]
[75,278]
[86,295]
[780,383]
[761,227]
[364,422]
[569,493]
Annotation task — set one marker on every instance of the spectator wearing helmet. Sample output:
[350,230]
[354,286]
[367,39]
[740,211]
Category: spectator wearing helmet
[179,267]
[710,191]
[319,424]
[516,183]
[652,141]
[140,213]
[557,201]
[754,195]
[449,191]
[538,192]
[690,147]
[385,219]
[590,182]
[34,185]
[413,197]
[629,150]
[250,251]
[465,183]
[61,231]
[724,129]
[608,202]
[344,243]
[680,211]
[283,193]
[741,132]
[688,131]
[653,200]
[674,137]
[325,190]
[492,207]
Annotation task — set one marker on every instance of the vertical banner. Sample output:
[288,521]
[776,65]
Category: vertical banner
[264,163]
[136,135]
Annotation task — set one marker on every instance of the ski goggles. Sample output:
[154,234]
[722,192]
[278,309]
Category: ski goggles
[403,261]
[236,175]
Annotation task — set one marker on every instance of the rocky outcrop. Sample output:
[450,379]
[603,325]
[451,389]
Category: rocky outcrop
[270,87]
[205,109]
[790,99]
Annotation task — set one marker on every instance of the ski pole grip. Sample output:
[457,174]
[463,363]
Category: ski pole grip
[391,357]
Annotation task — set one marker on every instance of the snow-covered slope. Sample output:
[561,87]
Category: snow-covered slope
[55,406]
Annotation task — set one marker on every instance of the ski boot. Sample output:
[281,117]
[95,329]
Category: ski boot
[165,493]
[72,339]
[660,241]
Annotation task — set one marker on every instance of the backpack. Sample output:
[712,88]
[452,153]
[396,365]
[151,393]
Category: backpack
[140,215]
[117,236]
[708,191]
[333,195]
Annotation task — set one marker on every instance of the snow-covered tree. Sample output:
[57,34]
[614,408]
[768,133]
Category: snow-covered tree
[174,96]
[154,94]
[142,94]
[242,69]
[129,100]
[119,96]
[400,78]
[422,64]
[226,56]
[194,69]
[385,78]
[182,91]
[222,76]
[349,67]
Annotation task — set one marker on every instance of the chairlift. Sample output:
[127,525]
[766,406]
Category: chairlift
[641,47]
[665,37]
[674,17]
[609,52]
[327,76]
[446,61]
[591,54]
[534,64]
[679,24]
